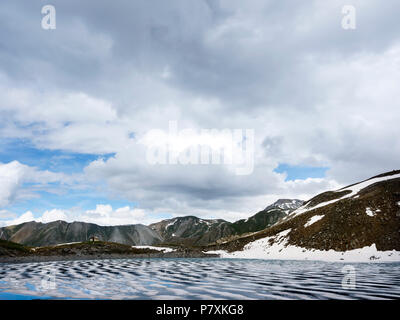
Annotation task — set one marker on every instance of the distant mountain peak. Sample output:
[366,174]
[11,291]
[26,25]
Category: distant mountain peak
[285,204]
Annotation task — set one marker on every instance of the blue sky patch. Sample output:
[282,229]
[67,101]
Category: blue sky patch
[300,172]
[80,199]
[53,160]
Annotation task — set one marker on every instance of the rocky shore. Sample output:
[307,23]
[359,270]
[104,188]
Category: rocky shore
[14,253]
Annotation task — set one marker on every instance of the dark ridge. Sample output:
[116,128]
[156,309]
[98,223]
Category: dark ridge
[386,174]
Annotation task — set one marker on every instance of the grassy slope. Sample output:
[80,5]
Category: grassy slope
[8,248]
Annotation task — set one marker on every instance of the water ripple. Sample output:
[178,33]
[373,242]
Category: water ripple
[199,279]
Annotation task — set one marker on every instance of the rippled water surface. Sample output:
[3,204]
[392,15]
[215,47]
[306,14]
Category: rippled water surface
[196,279]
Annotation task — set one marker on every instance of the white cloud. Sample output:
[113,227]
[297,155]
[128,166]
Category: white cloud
[209,191]
[315,95]
[11,176]
[46,217]
[52,215]
[103,215]
[25,217]
[14,175]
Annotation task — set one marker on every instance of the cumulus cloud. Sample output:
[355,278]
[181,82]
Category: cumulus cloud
[46,217]
[10,179]
[315,95]
[14,175]
[25,217]
[103,215]
[52,215]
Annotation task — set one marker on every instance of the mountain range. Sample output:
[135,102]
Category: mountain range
[186,231]
[191,230]
[362,215]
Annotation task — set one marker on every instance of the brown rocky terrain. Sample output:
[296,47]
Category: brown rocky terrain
[369,216]
[193,231]
[12,252]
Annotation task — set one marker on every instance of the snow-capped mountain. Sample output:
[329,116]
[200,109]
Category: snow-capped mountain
[191,230]
[360,222]
[287,205]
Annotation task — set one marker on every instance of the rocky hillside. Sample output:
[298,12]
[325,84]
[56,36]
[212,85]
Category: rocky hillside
[40,234]
[191,230]
[365,214]
[11,252]
[267,217]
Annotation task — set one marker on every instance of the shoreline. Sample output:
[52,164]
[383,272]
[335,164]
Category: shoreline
[262,249]
[57,258]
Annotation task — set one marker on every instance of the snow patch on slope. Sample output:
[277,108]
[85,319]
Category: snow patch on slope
[354,190]
[305,208]
[370,212]
[313,220]
[67,243]
[208,223]
[277,248]
[362,185]
[164,249]
[170,224]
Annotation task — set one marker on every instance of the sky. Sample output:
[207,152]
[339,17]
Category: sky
[92,111]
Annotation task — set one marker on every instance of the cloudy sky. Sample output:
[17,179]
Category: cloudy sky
[78,104]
